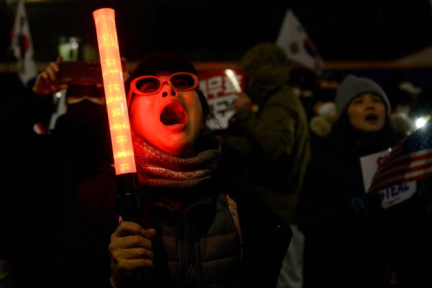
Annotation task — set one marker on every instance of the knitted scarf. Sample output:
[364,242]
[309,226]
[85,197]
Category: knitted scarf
[158,169]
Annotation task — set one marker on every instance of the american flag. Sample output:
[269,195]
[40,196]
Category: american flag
[409,160]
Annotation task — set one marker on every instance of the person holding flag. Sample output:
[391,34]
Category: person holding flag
[344,241]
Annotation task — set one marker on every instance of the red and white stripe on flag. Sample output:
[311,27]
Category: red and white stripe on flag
[410,160]
[39,129]
[22,45]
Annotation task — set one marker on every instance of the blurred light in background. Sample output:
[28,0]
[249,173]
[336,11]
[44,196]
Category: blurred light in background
[68,48]
[421,121]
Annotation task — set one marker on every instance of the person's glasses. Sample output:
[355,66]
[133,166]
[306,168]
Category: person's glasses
[150,85]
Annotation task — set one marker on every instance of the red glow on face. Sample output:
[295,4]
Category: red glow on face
[170,120]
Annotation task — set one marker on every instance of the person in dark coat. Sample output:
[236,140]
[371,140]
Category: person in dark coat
[267,143]
[343,234]
[194,228]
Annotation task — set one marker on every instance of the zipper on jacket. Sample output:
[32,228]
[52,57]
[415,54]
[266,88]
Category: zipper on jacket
[181,253]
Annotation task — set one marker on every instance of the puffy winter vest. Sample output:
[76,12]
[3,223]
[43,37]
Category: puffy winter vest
[201,247]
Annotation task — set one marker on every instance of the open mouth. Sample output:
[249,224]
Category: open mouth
[371,117]
[173,113]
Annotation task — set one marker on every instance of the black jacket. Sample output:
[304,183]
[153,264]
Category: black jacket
[344,239]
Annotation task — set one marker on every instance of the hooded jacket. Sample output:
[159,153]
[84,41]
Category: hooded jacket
[274,142]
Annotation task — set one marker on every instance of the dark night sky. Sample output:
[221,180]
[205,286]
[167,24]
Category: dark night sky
[223,30]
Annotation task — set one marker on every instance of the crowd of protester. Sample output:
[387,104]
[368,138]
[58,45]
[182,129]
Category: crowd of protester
[295,148]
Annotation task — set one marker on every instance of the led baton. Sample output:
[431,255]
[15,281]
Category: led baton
[129,197]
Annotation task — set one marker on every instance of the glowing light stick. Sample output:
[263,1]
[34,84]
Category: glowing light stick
[115,95]
[129,200]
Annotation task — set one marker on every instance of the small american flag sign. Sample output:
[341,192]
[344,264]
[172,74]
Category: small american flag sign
[409,160]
